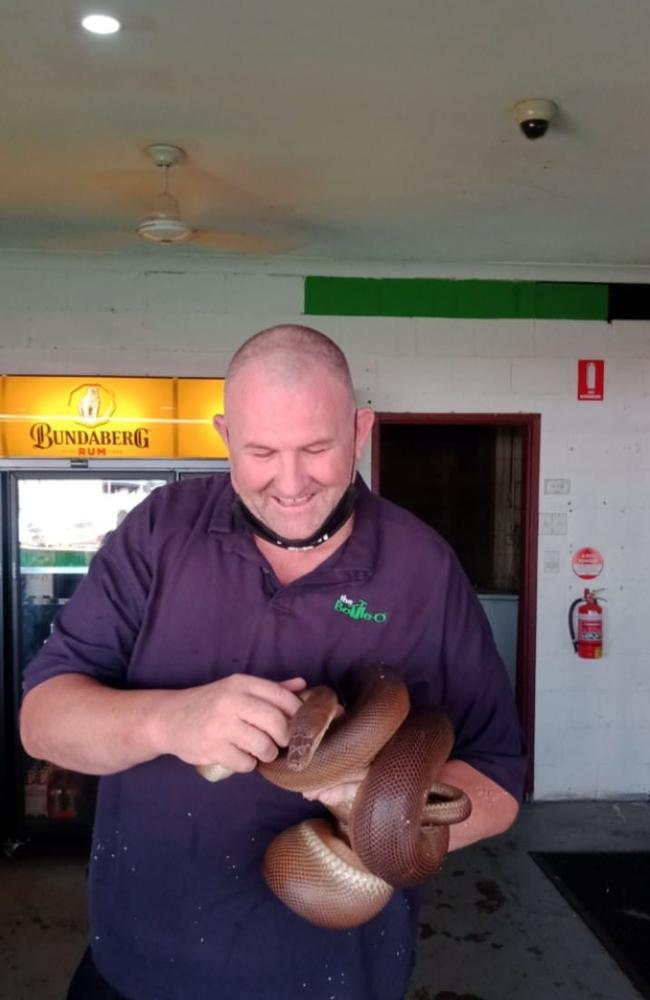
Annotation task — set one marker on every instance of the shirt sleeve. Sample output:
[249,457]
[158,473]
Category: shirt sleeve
[96,630]
[479,697]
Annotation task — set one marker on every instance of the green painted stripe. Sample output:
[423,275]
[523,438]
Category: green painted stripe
[472,299]
[571,301]
[342,297]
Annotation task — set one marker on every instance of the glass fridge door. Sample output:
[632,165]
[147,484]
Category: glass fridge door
[62,521]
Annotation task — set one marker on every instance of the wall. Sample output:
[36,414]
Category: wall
[97,315]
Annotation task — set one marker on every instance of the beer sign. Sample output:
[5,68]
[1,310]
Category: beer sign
[96,417]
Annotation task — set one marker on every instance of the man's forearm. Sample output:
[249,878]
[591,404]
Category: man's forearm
[236,721]
[78,723]
[493,809]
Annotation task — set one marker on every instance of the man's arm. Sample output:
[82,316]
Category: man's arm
[493,808]
[79,711]
[78,723]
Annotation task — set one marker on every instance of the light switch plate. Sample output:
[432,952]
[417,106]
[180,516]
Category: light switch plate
[553,524]
[555,487]
[551,561]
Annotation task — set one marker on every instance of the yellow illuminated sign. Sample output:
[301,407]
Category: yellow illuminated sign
[197,402]
[96,417]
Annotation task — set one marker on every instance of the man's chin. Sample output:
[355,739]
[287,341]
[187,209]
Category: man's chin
[293,526]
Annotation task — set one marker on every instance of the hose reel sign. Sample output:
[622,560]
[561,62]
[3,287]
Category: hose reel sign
[587,563]
[591,380]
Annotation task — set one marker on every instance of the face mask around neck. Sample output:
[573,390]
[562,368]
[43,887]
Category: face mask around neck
[341,513]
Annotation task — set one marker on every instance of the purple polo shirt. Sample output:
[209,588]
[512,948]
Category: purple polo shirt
[178,596]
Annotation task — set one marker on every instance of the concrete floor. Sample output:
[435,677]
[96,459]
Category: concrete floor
[494,927]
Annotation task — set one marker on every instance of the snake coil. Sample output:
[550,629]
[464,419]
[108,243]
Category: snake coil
[396,831]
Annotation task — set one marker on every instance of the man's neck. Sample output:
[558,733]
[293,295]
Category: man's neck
[289,565]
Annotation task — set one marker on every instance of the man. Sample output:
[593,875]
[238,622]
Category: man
[201,619]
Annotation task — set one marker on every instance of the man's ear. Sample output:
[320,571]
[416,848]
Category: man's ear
[219,423]
[365,418]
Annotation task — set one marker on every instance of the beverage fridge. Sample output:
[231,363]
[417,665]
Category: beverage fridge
[53,522]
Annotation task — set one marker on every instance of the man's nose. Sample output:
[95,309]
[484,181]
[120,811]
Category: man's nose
[290,478]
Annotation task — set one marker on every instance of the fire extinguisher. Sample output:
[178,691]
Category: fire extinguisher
[588,643]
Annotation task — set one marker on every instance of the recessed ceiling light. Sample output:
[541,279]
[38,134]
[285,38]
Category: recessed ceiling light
[101,24]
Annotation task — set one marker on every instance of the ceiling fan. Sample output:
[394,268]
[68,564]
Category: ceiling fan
[165,225]
[110,202]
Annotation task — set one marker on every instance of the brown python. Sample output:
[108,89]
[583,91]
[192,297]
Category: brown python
[396,831]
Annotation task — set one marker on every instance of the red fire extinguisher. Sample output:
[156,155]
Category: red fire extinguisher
[588,642]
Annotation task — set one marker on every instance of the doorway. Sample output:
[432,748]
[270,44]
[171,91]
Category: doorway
[474,478]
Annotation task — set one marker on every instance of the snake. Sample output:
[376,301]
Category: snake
[393,834]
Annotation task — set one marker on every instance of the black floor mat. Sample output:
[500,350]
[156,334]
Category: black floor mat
[611,892]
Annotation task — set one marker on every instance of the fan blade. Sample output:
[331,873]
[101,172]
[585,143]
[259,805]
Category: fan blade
[132,190]
[196,189]
[251,243]
[91,242]
[204,197]
[204,194]
[57,231]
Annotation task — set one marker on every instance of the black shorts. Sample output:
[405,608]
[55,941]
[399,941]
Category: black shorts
[87,984]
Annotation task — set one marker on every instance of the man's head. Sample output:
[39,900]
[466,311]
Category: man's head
[292,428]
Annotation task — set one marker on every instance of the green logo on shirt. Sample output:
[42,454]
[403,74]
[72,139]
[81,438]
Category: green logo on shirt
[358,610]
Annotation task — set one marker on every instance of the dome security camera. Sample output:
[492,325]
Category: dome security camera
[534,116]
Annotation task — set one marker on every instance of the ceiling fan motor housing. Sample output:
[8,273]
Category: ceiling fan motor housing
[164,230]
[165,225]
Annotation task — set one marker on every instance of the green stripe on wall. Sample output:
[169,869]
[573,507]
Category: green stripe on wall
[456,299]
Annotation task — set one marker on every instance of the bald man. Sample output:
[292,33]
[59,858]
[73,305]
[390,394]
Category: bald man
[201,619]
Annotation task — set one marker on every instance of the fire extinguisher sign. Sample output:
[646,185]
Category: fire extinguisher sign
[591,380]
[587,563]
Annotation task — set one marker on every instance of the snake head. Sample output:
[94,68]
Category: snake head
[308,726]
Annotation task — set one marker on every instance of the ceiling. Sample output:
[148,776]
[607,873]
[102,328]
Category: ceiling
[347,131]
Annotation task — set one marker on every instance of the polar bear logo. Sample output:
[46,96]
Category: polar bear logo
[89,403]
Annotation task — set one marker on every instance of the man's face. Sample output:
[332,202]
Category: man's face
[292,446]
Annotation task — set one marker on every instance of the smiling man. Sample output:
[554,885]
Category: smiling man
[201,619]
[294,435]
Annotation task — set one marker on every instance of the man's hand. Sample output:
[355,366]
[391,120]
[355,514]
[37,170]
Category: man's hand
[234,722]
[335,795]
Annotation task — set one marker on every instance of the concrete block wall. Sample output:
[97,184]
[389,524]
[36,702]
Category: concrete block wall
[103,316]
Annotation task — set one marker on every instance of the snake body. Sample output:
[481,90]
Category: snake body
[396,831]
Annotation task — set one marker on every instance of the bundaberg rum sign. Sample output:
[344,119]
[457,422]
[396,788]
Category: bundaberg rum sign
[96,417]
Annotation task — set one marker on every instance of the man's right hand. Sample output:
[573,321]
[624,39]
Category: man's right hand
[234,722]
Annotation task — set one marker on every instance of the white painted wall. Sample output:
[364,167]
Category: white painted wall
[100,316]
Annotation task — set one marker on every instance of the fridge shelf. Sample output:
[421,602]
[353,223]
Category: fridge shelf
[52,570]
